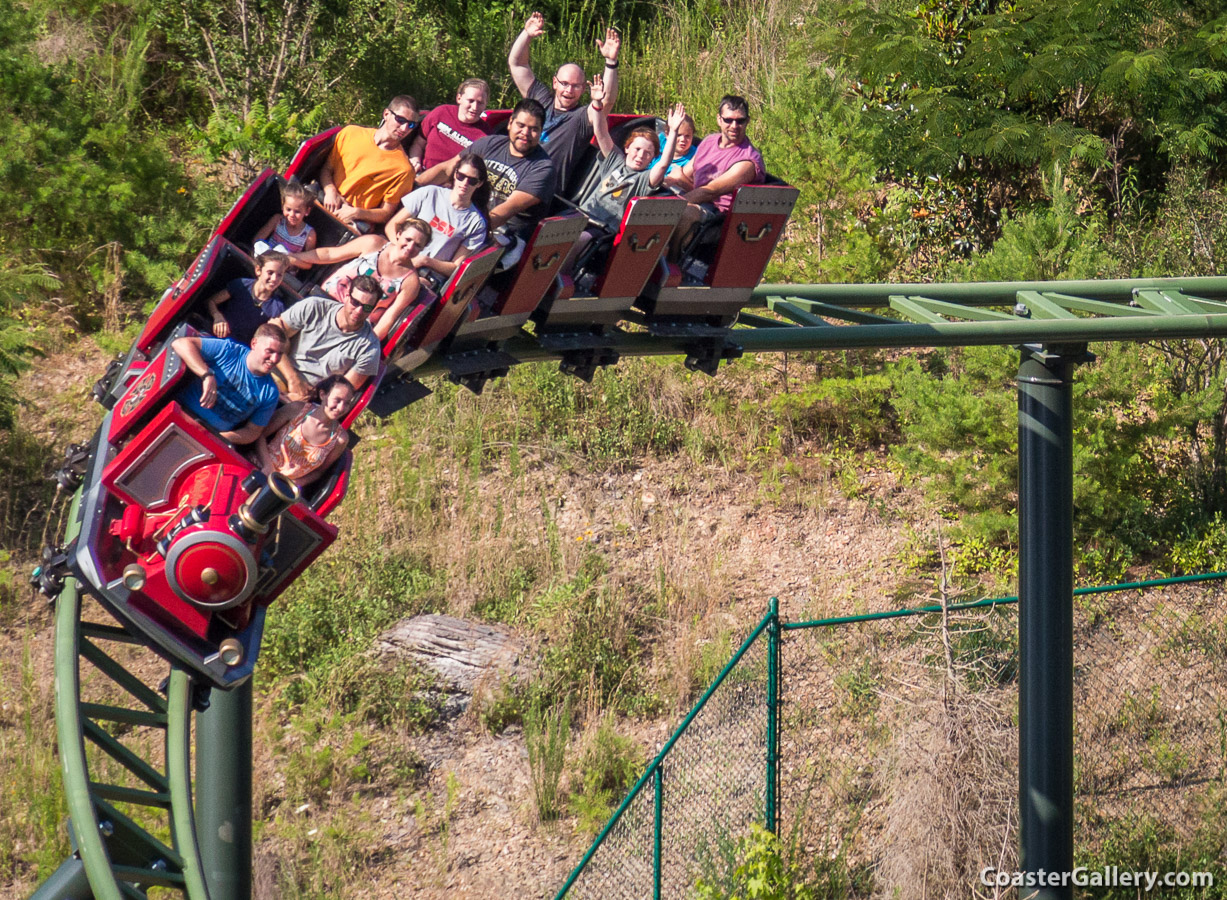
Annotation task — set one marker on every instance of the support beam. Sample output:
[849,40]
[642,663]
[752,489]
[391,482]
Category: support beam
[223,801]
[1046,619]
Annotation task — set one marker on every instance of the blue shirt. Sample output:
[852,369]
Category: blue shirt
[242,395]
[679,159]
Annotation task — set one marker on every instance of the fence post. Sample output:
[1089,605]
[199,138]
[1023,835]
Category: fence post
[773,716]
[659,786]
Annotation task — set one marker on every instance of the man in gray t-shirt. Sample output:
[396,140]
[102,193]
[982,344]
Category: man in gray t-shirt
[566,130]
[330,338]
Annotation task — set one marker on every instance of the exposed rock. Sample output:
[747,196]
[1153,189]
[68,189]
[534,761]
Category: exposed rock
[466,657]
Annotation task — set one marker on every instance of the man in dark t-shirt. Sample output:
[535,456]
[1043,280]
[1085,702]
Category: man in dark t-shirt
[566,130]
[522,175]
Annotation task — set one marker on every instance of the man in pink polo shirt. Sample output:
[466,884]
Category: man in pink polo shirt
[723,162]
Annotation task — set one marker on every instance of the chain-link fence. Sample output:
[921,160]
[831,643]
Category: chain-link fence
[883,749]
[705,787]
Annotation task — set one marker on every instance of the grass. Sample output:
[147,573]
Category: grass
[547,732]
[608,766]
[33,808]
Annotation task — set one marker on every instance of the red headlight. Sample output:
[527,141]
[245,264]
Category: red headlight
[212,569]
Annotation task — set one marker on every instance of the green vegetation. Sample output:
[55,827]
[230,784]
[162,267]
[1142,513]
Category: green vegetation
[547,732]
[30,779]
[931,140]
[766,868]
[608,768]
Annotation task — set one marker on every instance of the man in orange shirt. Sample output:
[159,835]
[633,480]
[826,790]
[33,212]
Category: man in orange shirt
[367,171]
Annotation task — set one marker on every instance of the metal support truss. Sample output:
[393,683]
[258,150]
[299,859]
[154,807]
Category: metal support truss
[118,794]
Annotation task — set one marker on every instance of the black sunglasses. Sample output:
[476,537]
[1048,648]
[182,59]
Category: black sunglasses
[734,120]
[367,308]
[468,179]
[401,120]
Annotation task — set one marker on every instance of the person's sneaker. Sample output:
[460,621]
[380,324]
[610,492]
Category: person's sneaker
[696,272]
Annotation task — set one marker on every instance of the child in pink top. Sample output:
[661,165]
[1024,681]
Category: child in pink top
[288,230]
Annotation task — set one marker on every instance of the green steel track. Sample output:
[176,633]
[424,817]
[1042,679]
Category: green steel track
[122,801]
[137,831]
[782,318]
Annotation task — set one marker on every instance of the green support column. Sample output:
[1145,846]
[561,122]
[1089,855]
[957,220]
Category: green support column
[1046,627]
[223,801]
[658,781]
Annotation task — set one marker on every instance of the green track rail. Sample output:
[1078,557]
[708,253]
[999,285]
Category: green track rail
[116,822]
[793,317]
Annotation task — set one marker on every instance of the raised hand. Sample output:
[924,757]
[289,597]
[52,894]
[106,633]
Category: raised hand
[535,26]
[596,90]
[676,117]
[611,46]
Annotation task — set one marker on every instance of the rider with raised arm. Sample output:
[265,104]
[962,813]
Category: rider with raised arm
[567,129]
[625,171]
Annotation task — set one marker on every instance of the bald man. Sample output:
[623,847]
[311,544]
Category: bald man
[567,129]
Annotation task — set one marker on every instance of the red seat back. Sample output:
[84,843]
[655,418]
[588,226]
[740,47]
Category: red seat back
[753,226]
[458,293]
[647,226]
[542,258]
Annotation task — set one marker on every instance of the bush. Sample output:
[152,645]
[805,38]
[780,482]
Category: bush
[79,176]
[608,768]
[547,731]
[762,873]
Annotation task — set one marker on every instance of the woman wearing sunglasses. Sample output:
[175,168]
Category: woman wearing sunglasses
[457,215]
[389,262]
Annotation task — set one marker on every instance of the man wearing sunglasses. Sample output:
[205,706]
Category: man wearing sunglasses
[723,162]
[330,338]
[367,171]
[567,129]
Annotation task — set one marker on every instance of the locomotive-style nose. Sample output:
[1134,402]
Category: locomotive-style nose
[211,568]
[214,566]
[254,517]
